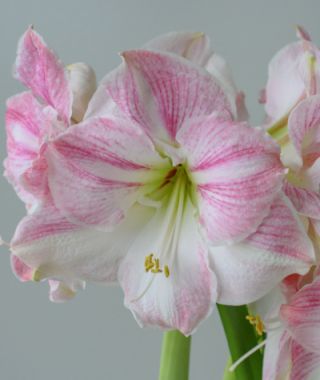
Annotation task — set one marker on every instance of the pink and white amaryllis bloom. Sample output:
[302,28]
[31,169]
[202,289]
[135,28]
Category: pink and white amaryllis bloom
[150,189]
[291,319]
[58,97]
[294,74]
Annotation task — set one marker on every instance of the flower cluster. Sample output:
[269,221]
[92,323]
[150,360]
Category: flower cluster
[154,179]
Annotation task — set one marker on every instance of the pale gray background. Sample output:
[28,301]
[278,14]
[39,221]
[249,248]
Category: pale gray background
[94,337]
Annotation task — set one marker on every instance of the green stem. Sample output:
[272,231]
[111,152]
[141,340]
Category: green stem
[241,338]
[175,356]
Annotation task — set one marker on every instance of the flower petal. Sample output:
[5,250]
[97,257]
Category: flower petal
[277,358]
[61,292]
[194,46]
[305,365]
[27,124]
[57,249]
[248,270]
[238,173]
[98,170]
[184,298]
[20,269]
[159,91]
[39,69]
[83,85]
[302,316]
[288,79]
[306,202]
[304,126]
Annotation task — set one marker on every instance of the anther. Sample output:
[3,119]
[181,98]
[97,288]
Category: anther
[166,271]
[257,322]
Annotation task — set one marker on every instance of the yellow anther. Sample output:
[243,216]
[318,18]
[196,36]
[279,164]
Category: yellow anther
[36,276]
[149,262]
[156,268]
[257,322]
[152,264]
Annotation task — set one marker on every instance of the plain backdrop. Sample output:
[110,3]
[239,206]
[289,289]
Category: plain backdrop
[94,337]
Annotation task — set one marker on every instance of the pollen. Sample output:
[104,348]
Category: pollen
[257,322]
[152,264]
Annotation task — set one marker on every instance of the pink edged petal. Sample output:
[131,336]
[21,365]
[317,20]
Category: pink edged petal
[57,249]
[302,316]
[185,297]
[304,125]
[28,124]
[39,69]
[62,292]
[248,270]
[277,356]
[287,81]
[238,173]
[194,46]
[20,269]
[305,365]
[306,202]
[159,91]
[99,169]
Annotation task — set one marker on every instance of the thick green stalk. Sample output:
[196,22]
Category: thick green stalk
[241,338]
[175,354]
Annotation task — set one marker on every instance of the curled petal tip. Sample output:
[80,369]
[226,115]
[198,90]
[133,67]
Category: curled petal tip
[302,34]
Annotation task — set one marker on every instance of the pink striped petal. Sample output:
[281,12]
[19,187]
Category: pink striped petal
[238,174]
[39,69]
[302,316]
[194,46]
[305,365]
[306,202]
[304,127]
[27,124]
[160,92]
[184,298]
[57,249]
[98,170]
[248,270]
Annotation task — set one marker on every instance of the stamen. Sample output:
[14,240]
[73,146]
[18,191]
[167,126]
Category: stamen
[257,322]
[151,264]
[248,354]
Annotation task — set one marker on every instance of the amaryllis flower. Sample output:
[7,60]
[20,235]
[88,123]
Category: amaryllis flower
[150,188]
[294,74]
[291,318]
[58,96]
